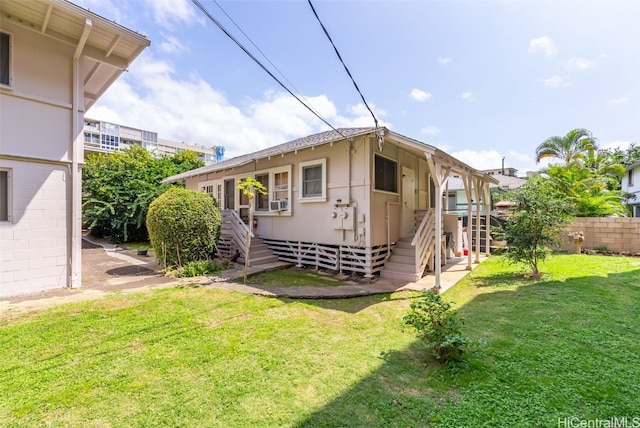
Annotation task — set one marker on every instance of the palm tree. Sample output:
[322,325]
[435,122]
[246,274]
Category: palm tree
[571,148]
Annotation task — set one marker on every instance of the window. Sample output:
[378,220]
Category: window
[630,177]
[386,177]
[280,186]
[5,195]
[5,58]
[262,201]
[313,180]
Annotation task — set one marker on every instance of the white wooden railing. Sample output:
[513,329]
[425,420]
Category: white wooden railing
[424,241]
[233,227]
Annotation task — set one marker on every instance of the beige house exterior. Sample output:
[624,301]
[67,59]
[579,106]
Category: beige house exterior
[348,199]
[56,60]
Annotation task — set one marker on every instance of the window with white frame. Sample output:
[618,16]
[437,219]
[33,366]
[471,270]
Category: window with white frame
[5,195]
[280,186]
[5,59]
[313,181]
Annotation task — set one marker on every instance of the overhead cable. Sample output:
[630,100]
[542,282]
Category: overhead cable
[344,65]
[261,65]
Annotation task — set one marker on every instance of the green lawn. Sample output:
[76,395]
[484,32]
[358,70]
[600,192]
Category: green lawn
[565,346]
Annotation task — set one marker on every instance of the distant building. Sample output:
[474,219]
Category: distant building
[509,172]
[631,185]
[105,137]
[456,198]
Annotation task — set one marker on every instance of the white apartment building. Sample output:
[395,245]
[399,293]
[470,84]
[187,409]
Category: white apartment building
[56,60]
[105,137]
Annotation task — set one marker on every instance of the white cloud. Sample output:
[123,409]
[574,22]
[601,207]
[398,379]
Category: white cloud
[468,96]
[419,95]
[188,109]
[444,60]
[170,12]
[172,45]
[431,130]
[555,82]
[579,64]
[543,45]
[620,100]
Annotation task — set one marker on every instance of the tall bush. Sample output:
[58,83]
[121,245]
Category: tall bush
[183,225]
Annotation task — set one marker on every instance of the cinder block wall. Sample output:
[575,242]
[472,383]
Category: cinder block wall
[617,234]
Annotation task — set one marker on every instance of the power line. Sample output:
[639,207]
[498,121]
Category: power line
[255,46]
[343,64]
[261,65]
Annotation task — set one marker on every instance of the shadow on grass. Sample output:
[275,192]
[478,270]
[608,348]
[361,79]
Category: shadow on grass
[553,349]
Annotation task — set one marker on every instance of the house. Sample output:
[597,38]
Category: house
[631,185]
[457,201]
[56,59]
[105,137]
[360,200]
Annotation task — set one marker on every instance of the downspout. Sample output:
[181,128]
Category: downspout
[77,155]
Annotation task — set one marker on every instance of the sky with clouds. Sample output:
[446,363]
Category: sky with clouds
[482,80]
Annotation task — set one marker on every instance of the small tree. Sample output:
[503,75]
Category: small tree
[536,224]
[250,187]
[182,226]
[438,325]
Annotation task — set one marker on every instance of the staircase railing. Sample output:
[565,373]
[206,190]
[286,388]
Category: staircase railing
[424,241]
[233,227]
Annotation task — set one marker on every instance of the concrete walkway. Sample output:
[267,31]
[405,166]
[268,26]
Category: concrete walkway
[453,272]
[107,268]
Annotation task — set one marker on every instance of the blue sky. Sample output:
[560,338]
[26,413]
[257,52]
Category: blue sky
[481,80]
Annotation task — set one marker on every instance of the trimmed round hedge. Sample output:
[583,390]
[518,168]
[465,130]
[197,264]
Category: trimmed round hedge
[182,226]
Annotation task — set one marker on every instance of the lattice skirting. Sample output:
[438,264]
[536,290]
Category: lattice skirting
[343,258]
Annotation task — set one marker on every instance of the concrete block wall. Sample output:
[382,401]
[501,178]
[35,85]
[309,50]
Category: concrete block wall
[619,234]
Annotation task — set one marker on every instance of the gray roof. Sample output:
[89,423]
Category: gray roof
[504,181]
[289,146]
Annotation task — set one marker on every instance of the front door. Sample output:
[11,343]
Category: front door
[229,194]
[408,201]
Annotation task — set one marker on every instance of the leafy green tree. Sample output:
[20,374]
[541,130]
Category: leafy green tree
[625,157]
[592,192]
[539,214]
[183,225]
[118,188]
[573,147]
[250,187]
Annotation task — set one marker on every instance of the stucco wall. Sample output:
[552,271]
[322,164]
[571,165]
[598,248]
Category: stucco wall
[617,234]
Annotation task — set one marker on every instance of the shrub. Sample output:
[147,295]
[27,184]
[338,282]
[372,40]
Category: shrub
[199,268]
[183,225]
[438,326]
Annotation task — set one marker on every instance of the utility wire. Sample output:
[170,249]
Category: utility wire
[343,64]
[256,46]
[257,61]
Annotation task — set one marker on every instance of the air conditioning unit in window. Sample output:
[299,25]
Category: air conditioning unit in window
[280,205]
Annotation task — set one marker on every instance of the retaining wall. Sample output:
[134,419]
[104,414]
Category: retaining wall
[619,234]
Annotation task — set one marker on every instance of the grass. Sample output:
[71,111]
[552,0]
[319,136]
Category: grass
[564,346]
[293,277]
